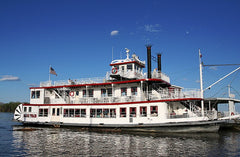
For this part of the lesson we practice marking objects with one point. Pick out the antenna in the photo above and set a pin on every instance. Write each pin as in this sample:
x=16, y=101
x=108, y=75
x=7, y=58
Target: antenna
x=127, y=51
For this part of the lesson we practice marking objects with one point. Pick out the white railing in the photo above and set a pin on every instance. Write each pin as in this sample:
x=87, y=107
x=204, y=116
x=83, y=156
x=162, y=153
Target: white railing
x=175, y=94
x=73, y=82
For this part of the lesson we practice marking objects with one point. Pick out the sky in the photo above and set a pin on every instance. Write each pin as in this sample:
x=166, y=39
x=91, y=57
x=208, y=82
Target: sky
x=79, y=39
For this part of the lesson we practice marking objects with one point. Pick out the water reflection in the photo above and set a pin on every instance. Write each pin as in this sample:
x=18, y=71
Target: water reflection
x=65, y=142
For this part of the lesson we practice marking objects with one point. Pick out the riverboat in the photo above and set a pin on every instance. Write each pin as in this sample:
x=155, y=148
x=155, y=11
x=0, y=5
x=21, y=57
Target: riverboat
x=127, y=99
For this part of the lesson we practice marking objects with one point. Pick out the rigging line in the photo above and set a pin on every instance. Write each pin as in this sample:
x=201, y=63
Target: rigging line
x=235, y=91
x=219, y=65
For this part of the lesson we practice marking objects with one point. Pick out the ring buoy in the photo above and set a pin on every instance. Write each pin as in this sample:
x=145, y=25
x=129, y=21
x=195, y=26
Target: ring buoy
x=71, y=93
x=232, y=114
x=114, y=70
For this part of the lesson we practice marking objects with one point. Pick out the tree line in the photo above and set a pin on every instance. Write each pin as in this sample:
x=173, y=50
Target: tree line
x=9, y=107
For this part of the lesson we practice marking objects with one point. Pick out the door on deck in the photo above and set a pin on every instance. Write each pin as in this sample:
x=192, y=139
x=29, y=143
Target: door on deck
x=56, y=114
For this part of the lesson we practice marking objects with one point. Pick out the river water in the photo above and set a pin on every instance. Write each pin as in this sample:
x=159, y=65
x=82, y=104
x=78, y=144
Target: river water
x=48, y=141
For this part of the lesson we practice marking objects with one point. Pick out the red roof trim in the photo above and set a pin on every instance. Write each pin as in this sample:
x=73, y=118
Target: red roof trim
x=122, y=103
x=99, y=84
x=128, y=63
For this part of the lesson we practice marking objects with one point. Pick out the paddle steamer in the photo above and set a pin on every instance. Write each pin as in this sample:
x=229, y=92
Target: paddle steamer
x=126, y=99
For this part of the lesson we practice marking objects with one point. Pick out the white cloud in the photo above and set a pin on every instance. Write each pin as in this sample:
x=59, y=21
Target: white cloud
x=9, y=78
x=213, y=68
x=152, y=28
x=115, y=32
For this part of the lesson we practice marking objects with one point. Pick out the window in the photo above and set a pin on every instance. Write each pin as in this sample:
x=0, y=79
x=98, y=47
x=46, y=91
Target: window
x=143, y=111
x=103, y=92
x=58, y=111
x=38, y=94
x=35, y=94
x=122, y=68
x=83, y=112
x=134, y=90
x=124, y=91
x=40, y=113
x=106, y=113
x=77, y=93
x=90, y=93
x=154, y=110
x=99, y=113
x=84, y=93
x=71, y=112
x=53, y=111
x=93, y=113
x=122, y=112
x=43, y=112
x=109, y=91
x=66, y=112
x=25, y=109
x=132, y=111
x=129, y=67
x=113, y=113
x=77, y=112
x=30, y=109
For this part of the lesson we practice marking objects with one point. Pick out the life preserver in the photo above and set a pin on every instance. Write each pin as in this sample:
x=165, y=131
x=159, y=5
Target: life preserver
x=71, y=93
x=114, y=70
x=232, y=114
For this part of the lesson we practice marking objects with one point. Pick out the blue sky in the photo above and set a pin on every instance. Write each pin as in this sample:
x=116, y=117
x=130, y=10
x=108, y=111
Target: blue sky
x=74, y=36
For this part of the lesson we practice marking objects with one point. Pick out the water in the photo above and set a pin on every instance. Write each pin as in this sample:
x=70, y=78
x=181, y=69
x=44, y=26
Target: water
x=47, y=141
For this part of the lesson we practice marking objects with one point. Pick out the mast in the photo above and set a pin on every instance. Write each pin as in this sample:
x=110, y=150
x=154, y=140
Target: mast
x=201, y=82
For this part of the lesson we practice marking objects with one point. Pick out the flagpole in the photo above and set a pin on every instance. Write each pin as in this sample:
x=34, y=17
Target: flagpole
x=201, y=82
x=49, y=75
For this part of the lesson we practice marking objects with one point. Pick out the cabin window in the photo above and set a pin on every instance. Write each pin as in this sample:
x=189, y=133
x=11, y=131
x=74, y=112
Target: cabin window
x=90, y=93
x=71, y=112
x=106, y=113
x=143, y=111
x=154, y=111
x=84, y=92
x=109, y=91
x=122, y=68
x=35, y=94
x=66, y=112
x=99, y=113
x=132, y=111
x=123, y=112
x=129, y=67
x=25, y=109
x=93, y=113
x=103, y=92
x=134, y=90
x=30, y=109
x=43, y=113
x=83, y=112
x=58, y=111
x=124, y=91
x=53, y=111
x=77, y=93
x=77, y=112
x=113, y=113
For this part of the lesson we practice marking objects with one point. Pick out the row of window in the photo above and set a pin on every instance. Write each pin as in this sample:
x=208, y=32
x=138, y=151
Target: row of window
x=100, y=113
x=106, y=92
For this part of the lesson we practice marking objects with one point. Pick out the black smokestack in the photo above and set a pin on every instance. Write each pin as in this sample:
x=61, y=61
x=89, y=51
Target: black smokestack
x=149, y=56
x=159, y=62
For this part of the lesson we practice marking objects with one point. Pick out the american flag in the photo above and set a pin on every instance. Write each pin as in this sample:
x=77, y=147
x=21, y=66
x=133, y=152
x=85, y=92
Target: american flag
x=52, y=71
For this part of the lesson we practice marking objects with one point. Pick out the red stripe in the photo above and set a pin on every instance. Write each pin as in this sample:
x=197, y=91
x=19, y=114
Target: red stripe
x=121, y=103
